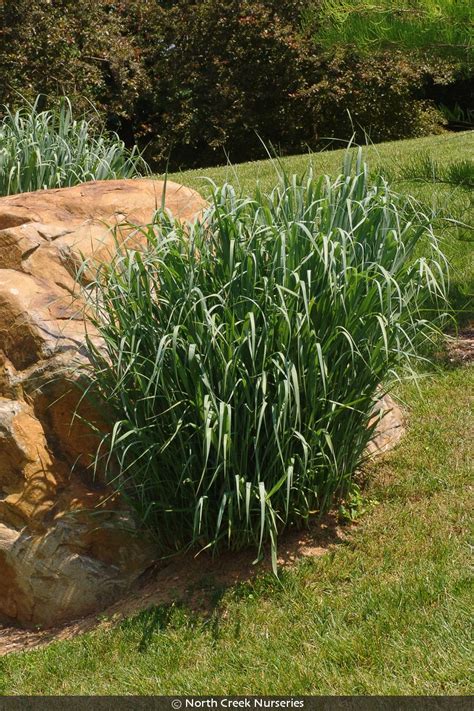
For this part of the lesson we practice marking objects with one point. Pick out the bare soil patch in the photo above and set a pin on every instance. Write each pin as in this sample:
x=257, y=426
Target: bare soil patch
x=461, y=347
x=190, y=579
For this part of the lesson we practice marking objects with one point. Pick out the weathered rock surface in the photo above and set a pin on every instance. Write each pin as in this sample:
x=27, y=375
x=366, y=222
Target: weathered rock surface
x=390, y=428
x=67, y=546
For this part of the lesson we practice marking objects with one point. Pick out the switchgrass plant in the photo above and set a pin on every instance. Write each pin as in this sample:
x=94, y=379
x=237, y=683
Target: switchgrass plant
x=52, y=149
x=242, y=355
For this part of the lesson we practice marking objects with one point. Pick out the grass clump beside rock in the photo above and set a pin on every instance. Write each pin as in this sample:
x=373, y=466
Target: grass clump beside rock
x=242, y=355
x=51, y=149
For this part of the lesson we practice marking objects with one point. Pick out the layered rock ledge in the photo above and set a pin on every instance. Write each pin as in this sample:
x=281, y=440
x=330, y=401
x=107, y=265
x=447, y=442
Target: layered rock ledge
x=67, y=546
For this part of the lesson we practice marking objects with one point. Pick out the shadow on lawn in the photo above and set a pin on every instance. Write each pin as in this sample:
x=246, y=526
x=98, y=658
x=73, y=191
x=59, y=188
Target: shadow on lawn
x=196, y=583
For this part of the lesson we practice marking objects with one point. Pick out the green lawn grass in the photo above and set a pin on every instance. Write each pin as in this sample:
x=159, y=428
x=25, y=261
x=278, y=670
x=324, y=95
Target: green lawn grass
x=437, y=26
x=391, y=155
x=385, y=612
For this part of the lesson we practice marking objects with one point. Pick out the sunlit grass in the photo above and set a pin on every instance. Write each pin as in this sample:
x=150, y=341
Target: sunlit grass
x=442, y=27
x=426, y=168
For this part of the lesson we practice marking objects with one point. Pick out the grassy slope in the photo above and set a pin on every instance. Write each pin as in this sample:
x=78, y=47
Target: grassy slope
x=385, y=613
x=445, y=147
x=439, y=25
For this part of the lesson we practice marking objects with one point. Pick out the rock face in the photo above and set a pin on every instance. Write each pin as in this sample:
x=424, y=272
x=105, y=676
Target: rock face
x=390, y=428
x=67, y=545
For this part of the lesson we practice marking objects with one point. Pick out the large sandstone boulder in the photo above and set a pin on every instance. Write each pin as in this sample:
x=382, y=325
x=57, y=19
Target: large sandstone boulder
x=67, y=545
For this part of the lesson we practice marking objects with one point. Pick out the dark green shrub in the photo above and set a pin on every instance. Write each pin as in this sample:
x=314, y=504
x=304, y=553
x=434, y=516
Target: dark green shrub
x=75, y=48
x=228, y=69
x=378, y=97
x=194, y=81
x=233, y=69
x=242, y=355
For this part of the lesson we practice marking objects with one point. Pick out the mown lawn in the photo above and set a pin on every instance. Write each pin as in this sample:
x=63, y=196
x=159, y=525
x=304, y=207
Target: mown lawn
x=388, y=610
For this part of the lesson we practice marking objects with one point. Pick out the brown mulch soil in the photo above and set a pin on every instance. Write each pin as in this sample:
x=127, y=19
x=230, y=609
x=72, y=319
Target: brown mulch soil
x=190, y=579
x=460, y=348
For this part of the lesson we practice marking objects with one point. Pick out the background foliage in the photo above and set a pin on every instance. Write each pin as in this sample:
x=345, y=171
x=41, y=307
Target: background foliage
x=192, y=81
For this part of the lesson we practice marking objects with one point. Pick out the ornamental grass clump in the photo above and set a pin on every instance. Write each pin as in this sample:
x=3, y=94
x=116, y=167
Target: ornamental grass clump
x=51, y=149
x=242, y=355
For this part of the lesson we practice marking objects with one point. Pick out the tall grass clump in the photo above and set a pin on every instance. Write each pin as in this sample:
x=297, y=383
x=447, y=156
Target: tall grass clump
x=242, y=355
x=52, y=149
